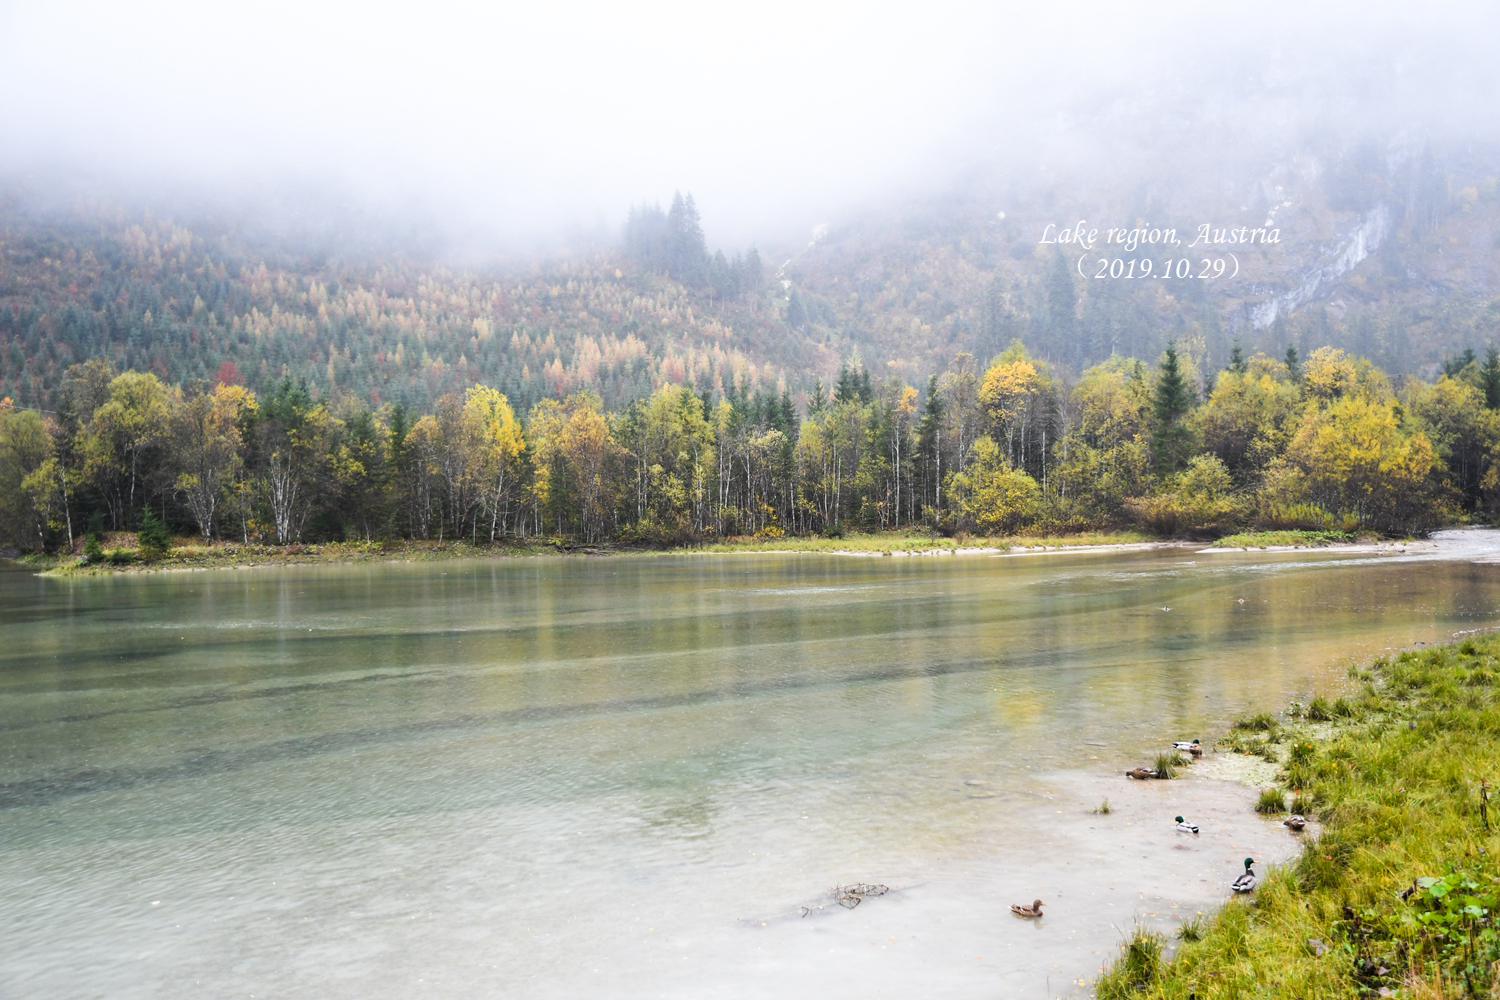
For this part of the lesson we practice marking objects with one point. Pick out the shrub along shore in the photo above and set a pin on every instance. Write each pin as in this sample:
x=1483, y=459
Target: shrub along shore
x=1397, y=894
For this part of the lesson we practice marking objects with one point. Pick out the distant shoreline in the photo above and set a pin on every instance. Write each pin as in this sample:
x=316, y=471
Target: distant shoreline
x=122, y=557
x=124, y=560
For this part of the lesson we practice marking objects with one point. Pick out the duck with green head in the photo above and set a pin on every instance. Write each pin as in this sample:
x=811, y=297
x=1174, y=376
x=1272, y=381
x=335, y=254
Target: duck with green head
x=1246, y=882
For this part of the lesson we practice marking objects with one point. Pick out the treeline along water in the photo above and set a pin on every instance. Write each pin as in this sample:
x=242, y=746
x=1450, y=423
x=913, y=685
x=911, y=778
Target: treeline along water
x=1325, y=442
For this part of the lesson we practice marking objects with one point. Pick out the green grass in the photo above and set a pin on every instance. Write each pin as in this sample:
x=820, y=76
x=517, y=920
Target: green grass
x=1294, y=539
x=1271, y=801
x=1395, y=781
x=189, y=554
x=919, y=541
x=1167, y=764
x=1262, y=722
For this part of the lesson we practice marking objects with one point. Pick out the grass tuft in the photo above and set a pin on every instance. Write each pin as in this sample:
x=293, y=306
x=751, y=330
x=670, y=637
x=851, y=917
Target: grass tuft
x=1167, y=764
x=1138, y=968
x=1318, y=710
x=1193, y=930
x=1272, y=800
x=1262, y=722
x=1102, y=809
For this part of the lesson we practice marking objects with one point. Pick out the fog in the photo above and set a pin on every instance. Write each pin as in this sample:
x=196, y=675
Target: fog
x=514, y=125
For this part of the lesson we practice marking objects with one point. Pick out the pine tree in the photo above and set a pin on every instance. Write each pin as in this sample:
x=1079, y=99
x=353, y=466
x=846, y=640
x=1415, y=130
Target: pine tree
x=1171, y=440
x=930, y=445
x=1062, y=304
x=687, y=253
x=1293, y=365
x=846, y=389
x=1453, y=367
x=1489, y=377
x=752, y=278
x=796, y=315
x=1237, y=360
x=152, y=539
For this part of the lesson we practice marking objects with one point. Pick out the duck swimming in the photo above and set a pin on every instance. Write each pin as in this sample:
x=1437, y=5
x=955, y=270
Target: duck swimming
x=1140, y=773
x=1246, y=882
x=1034, y=910
x=1195, y=748
x=1185, y=826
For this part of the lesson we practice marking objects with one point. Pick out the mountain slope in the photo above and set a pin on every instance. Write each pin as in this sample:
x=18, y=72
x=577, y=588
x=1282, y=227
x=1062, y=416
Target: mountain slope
x=1391, y=251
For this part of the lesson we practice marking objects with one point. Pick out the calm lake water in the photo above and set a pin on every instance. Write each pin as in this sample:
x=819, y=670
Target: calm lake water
x=640, y=777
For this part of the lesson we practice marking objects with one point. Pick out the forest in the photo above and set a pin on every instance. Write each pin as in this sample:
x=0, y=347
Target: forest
x=904, y=289
x=1329, y=442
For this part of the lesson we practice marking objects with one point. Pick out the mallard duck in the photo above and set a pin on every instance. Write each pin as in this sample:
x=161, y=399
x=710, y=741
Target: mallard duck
x=1140, y=773
x=1294, y=823
x=1034, y=910
x=1246, y=882
x=1185, y=826
x=1195, y=748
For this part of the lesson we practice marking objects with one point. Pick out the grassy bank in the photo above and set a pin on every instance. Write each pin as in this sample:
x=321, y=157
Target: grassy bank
x=227, y=555
x=1398, y=894
x=880, y=543
x=1287, y=539
x=122, y=555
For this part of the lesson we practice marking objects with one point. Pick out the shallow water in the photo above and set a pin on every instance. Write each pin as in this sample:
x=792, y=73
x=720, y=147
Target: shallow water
x=639, y=777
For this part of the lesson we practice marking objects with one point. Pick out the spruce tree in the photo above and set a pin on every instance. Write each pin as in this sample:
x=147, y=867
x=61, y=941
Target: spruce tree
x=796, y=315
x=1062, y=304
x=929, y=443
x=152, y=539
x=1489, y=377
x=1293, y=365
x=752, y=271
x=1174, y=397
x=846, y=390
x=1237, y=360
x=687, y=253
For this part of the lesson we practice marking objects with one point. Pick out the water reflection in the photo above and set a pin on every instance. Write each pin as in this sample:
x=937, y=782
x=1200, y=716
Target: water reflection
x=499, y=777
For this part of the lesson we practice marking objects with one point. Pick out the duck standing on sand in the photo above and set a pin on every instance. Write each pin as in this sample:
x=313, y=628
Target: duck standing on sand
x=1294, y=823
x=1246, y=882
x=1034, y=910
x=1186, y=827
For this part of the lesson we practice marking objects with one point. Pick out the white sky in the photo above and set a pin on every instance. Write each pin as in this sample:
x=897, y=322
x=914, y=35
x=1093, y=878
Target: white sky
x=524, y=118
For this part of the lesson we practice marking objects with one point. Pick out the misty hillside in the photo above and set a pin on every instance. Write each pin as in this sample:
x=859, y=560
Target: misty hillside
x=1390, y=250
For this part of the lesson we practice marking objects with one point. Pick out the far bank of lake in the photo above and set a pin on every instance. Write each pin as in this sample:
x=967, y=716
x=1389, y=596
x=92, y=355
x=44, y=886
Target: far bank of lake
x=121, y=554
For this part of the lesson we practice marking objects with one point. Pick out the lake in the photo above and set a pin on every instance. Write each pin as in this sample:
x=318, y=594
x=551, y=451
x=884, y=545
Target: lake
x=641, y=776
